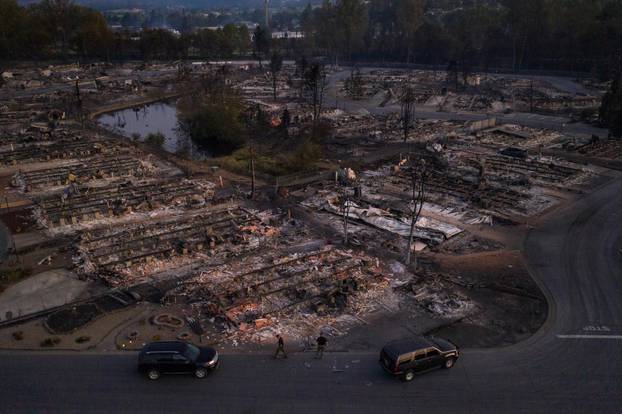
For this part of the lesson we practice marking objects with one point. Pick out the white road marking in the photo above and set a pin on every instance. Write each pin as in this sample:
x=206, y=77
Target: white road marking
x=589, y=336
x=593, y=328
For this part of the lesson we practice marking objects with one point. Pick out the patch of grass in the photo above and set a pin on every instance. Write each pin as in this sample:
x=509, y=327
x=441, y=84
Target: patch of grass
x=12, y=276
x=302, y=158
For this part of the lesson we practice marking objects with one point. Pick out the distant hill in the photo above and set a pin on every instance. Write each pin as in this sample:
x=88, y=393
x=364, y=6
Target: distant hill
x=192, y=4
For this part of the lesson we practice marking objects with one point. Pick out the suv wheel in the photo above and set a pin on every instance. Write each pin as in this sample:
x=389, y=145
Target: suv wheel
x=153, y=374
x=449, y=362
x=409, y=375
x=200, y=373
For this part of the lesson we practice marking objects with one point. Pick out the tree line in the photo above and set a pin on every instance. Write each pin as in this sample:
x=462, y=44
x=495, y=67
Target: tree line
x=62, y=29
x=517, y=34
x=572, y=35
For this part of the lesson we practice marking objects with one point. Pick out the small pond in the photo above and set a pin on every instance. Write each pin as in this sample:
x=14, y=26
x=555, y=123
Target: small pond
x=150, y=119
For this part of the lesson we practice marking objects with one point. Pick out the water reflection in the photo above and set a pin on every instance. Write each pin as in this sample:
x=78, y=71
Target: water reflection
x=150, y=119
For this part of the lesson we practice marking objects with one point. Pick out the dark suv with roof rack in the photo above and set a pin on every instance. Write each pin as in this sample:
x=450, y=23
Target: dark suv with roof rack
x=176, y=357
x=406, y=357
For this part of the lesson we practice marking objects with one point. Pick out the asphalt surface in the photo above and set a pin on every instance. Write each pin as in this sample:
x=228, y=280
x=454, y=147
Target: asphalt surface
x=572, y=365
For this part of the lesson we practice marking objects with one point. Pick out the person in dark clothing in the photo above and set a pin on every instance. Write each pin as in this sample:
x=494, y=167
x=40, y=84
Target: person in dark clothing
x=321, y=345
x=280, y=349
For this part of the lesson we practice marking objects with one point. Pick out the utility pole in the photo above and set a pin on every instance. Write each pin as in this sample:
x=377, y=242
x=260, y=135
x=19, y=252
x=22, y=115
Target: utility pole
x=267, y=13
x=407, y=114
x=79, y=103
x=531, y=96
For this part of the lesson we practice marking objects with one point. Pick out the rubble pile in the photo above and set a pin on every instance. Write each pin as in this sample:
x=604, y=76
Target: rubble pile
x=519, y=137
x=117, y=199
x=60, y=149
x=133, y=251
x=610, y=149
x=97, y=167
x=251, y=295
x=482, y=93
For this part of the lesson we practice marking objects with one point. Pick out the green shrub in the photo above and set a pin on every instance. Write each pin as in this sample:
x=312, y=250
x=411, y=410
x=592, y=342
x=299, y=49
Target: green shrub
x=215, y=123
x=50, y=342
x=155, y=140
x=12, y=276
x=82, y=339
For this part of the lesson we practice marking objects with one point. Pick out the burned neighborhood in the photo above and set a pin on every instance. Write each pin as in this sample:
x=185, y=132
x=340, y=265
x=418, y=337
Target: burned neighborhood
x=247, y=257
x=309, y=199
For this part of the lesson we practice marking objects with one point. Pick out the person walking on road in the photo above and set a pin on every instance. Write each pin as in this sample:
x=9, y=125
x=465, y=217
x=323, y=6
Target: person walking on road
x=280, y=349
x=321, y=344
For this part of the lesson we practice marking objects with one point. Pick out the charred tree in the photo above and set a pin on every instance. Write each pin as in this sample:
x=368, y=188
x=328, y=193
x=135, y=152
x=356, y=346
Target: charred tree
x=276, y=64
x=407, y=113
x=315, y=83
x=418, y=181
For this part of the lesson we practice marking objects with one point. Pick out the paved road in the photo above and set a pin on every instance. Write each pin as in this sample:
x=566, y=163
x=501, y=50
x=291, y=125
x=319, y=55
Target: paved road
x=572, y=365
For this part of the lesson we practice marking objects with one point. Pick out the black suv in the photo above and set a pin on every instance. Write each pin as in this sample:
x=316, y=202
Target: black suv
x=176, y=357
x=405, y=357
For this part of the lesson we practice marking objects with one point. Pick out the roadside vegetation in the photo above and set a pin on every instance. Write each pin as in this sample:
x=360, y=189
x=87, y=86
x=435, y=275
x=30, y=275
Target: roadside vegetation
x=12, y=276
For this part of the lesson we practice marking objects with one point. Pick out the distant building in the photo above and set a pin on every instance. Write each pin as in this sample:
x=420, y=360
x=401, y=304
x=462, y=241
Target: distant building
x=288, y=35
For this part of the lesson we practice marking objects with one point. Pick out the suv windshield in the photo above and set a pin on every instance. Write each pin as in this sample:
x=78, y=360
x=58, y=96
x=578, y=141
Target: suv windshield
x=442, y=344
x=192, y=352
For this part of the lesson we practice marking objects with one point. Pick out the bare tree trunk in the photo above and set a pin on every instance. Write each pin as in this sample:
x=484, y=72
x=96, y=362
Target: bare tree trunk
x=413, y=222
x=407, y=110
x=346, y=211
x=252, y=151
x=410, y=241
x=418, y=198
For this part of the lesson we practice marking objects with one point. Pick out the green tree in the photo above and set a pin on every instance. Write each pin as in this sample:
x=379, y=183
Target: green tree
x=261, y=43
x=159, y=44
x=326, y=29
x=215, y=123
x=315, y=83
x=408, y=20
x=92, y=37
x=12, y=25
x=276, y=64
x=60, y=19
x=352, y=21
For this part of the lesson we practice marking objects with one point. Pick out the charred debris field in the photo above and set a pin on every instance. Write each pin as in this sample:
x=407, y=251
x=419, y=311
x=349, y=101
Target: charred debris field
x=305, y=226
